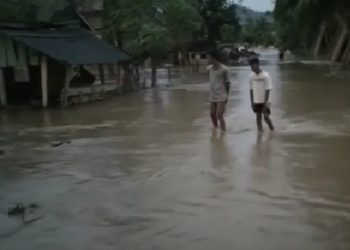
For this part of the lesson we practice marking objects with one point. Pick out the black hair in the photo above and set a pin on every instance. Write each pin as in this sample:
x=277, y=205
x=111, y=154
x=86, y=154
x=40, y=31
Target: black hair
x=254, y=61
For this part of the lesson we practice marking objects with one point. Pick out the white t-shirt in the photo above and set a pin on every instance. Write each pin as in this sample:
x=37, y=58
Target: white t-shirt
x=218, y=78
x=259, y=83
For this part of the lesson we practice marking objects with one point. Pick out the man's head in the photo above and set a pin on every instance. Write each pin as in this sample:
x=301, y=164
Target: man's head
x=255, y=65
x=215, y=57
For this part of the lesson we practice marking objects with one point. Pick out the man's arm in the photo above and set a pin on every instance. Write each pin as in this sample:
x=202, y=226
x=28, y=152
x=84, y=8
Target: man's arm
x=208, y=68
x=268, y=88
x=227, y=83
x=251, y=92
x=251, y=97
x=267, y=97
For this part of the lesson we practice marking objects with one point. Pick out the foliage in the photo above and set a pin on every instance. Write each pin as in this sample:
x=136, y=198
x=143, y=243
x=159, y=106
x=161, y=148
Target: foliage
x=300, y=20
x=151, y=41
x=245, y=13
x=31, y=10
x=259, y=32
x=216, y=15
x=13, y=11
x=150, y=27
x=230, y=33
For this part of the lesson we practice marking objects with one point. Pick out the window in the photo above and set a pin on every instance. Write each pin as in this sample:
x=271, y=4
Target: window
x=203, y=56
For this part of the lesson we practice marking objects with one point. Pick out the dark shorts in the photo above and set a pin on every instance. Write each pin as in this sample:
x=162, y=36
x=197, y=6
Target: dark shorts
x=259, y=109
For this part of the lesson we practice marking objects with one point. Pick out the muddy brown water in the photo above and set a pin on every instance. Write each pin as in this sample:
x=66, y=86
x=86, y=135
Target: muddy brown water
x=144, y=171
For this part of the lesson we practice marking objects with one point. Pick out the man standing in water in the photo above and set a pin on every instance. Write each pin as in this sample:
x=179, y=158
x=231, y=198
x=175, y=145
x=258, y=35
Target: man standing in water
x=219, y=89
x=260, y=94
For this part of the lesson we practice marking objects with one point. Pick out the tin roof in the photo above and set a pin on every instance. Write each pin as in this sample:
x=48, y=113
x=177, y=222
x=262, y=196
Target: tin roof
x=70, y=45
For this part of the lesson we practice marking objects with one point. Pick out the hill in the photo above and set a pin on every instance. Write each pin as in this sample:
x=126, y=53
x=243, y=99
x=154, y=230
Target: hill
x=244, y=14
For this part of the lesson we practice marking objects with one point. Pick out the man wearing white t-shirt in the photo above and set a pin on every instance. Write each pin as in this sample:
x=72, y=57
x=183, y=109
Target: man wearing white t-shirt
x=260, y=94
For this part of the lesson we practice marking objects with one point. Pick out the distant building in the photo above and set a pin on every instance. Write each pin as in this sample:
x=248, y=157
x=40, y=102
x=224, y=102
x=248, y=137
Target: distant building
x=198, y=53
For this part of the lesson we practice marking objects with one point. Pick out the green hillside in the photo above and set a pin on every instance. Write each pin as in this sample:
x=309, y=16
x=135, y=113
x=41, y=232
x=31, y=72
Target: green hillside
x=244, y=14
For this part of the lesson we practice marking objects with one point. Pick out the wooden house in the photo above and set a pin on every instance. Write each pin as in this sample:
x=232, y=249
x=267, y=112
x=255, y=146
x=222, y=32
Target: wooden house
x=42, y=62
x=198, y=55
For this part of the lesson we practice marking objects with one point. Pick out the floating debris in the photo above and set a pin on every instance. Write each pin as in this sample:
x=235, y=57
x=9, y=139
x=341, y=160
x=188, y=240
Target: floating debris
x=18, y=209
x=57, y=144
x=34, y=220
x=33, y=206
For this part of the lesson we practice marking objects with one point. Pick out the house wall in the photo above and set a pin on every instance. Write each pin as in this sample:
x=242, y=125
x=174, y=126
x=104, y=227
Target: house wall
x=22, y=73
x=56, y=78
x=21, y=92
x=198, y=58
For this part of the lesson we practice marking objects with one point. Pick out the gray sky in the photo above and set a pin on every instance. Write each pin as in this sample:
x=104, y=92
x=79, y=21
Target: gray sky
x=260, y=5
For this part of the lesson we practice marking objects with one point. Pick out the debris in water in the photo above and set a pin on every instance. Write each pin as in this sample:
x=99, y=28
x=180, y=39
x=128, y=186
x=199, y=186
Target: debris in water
x=57, y=144
x=34, y=220
x=33, y=206
x=19, y=209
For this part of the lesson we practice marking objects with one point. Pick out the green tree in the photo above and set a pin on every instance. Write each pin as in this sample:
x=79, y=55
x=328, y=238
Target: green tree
x=34, y=10
x=151, y=28
x=230, y=33
x=216, y=15
x=302, y=23
x=259, y=32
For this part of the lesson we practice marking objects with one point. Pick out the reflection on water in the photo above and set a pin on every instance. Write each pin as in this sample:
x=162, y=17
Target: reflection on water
x=144, y=171
x=262, y=153
x=219, y=152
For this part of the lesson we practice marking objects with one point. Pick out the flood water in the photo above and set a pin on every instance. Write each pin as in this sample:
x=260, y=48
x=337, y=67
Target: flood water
x=144, y=171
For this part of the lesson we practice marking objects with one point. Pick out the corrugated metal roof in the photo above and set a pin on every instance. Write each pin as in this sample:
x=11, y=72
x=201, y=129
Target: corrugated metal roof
x=70, y=45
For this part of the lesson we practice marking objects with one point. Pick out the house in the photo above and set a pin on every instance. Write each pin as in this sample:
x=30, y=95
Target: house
x=92, y=13
x=42, y=61
x=198, y=55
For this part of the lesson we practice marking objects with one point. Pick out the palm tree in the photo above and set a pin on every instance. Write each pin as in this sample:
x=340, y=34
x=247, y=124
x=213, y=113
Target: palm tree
x=311, y=20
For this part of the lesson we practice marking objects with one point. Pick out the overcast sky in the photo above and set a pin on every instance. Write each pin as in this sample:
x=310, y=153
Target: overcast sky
x=260, y=5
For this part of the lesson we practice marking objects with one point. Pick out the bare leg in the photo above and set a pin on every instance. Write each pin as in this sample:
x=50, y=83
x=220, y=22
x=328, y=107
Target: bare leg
x=220, y=115
x=214, y=119
x=269, y=122
x=259, y=122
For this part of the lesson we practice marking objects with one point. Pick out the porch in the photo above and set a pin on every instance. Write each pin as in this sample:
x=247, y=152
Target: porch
x=66, y=65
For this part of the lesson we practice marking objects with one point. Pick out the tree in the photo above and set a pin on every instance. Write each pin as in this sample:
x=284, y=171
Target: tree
x=13, y=11
x=34, y=10
x=151, y=28
x=216, y=14
x=260, y=32
x=230, y=33
x=304, y=24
